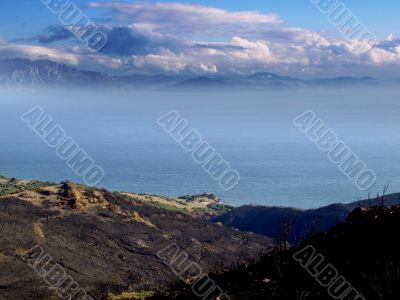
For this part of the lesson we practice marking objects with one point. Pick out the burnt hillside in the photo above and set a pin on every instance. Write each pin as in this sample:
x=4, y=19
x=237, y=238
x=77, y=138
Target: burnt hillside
x=364, y=249
x=107, y=242
x=266, y=220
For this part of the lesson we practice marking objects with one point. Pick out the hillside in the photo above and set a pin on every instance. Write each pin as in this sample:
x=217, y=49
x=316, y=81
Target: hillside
x=364, y=249
x=110, y=244
x=267, y=220
x=107, y=241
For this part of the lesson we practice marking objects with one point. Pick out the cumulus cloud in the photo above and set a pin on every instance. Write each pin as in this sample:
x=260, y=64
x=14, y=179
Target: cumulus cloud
x=124, y=41
x=138, y=40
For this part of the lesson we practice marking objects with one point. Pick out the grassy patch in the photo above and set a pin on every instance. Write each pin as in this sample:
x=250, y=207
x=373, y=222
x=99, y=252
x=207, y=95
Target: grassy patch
x=165, y=206
x=13, y=186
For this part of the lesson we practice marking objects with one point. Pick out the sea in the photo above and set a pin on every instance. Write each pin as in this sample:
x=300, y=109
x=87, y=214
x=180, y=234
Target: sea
x=252, y=131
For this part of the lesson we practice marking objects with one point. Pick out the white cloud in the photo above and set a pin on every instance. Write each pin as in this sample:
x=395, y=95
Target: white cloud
x=180, y=18
x=37, y=52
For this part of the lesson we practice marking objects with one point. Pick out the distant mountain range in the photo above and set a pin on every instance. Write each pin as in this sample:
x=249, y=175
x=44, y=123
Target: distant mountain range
x=37, y=73
x=44, y=72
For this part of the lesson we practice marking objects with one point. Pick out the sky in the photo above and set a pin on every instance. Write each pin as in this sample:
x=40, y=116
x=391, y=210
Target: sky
x=288, y=37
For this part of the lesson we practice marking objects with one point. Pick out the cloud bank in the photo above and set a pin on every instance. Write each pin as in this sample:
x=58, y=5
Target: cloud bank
x=186, y=38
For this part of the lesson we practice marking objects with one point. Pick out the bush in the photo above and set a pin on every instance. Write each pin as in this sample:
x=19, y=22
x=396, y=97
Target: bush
x=14, y=187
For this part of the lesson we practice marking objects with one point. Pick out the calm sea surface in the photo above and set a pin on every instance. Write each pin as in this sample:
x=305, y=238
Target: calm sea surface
x=278, y=164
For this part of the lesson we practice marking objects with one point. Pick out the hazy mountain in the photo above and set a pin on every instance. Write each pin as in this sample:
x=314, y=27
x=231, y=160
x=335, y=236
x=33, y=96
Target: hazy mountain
x=24, y=72
x=43, y=72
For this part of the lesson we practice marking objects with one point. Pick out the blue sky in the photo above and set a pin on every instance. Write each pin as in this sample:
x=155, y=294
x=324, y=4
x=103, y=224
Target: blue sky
x=23, y=23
